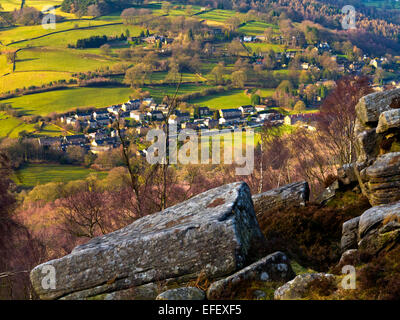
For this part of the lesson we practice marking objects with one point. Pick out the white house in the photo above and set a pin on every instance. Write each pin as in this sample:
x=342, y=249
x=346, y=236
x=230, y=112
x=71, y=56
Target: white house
x=114, y=109
x=137, y=115
x=247, y=109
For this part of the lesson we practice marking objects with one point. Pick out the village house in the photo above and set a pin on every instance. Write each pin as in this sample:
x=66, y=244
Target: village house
x=83, y=116
x=184, y=116
x=211, y=123
x=98, y=135
x=70, y=120
x=246, y=110
x=179, y=117
x=115, y=134
x=248, y=38
x=131, y=105
x=124, y=114
x=127, y=107
x=163, y=108
x=155, y=115
x=305, y=118
x=103, y=145
x=260, y=107
x=92, y=124
x=136, y=115
x=99, y=113
x=105, y=141
x=153, y=106
x=103, y=120
x=174, y=119
x=79, y=139
x=229, y=116
x=114, y=109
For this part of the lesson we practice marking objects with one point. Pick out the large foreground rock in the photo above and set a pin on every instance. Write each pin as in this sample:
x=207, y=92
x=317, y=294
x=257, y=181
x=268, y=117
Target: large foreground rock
x=215, y=233
x=274, y=267
x=291, y=195
x=372, y=105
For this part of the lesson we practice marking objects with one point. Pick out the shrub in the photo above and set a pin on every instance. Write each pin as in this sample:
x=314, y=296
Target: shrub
x=311, y=234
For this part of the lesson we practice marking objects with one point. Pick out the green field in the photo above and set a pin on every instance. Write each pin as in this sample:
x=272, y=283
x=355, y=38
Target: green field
x=264, y=93
x=66, y=60
x=254, y=28
x=224, y=100
x=158, y=77
x=19, y=33
x=4, y=66
x=176, y=9
x=217, y=15
x=10, y=5
x=159, y=92
x=19, y=80
x=263, y=47
x=62, y=39
x=33, y=175
x=68, y=99
x=11, y=127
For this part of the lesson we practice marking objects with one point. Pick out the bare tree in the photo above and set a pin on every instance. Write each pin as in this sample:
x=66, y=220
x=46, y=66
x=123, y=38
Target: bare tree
x=19, y=251
x=336, y=122
x=172, y=103
x=85, y=213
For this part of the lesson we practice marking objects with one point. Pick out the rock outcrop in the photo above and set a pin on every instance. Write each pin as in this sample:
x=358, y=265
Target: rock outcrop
x=215, y=233
x=299, y=286
x=185, y=293
x=375, y=230
x=377, y=171
x=370, y=107
x=382, y=179
x=379, y=228
x=388, y=120
x=291, y=195
x=274, y=267
x=378, y=145
x=350, y=234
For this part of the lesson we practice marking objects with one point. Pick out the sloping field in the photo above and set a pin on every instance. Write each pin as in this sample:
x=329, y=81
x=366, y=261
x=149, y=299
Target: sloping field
x=33, y=175
x=68, y=99
x=62, y=39
x=20, y=80
x=65, y=60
